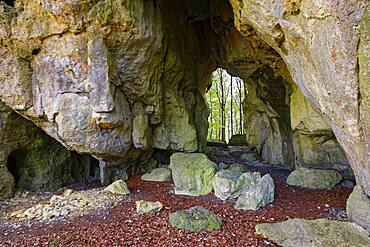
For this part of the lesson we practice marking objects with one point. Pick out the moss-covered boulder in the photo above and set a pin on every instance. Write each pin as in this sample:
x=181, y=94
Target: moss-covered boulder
x=158, y=175
x=231, y=183
x=118, y=187
x=358, y=208
x=192, y=173
x=257, y=195
x=238, y=167
x=195, y=219
x=313, y=233
x=238, y=140
x=248, y=158
x=143, y=207
x=225, y=183
x=314, y=178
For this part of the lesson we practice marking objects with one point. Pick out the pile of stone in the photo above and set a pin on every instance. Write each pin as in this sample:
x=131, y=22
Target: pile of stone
x=72, y=202
x=194, y=174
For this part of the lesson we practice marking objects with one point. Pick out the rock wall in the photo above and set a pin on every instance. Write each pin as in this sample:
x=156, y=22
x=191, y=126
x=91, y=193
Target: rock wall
x=318, y=41
x=120, y=78
x=32, y=160
x=315, y=145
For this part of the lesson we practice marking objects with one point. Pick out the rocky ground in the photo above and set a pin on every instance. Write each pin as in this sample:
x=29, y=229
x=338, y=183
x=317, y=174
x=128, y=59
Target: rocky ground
x=108, y=220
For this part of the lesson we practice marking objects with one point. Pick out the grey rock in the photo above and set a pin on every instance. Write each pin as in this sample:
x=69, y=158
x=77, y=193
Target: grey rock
x=249, y=157
x=118, y=187
x=358, y=208
x=158, y=175
x=257, y=196
x=192, y=173
x=313, y=233
x=143, y=207
x=195, y=219
x=314, y=178
x=225, y=183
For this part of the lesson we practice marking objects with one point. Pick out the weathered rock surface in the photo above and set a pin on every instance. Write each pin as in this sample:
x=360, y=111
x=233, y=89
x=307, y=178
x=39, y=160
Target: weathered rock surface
x=195, y=219
x=192, y=173
x=116, y=79
x=314, y=178
x=118, y=187
x=314, y=143
x=158, y=175
x=32, y=160
x=257, y=195
x=321, y=232
x=225, y=184
x=248, y=158
x=143, y=207
x=299, y=32
x=358, y=208
x=238, y=140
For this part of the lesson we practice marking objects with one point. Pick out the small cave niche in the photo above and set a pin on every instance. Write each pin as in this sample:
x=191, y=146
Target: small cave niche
x=9, y=2
x=94, y=169
x=14, y=164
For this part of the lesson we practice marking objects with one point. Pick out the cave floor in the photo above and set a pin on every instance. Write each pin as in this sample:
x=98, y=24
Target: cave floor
x=120, y=225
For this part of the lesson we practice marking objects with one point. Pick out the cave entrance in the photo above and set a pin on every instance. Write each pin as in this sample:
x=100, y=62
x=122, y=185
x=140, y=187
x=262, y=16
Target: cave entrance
x=225, y=99
x=9, y=2
x=15, y=166
x=94, y=169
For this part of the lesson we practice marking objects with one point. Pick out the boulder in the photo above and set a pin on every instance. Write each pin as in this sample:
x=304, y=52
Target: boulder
x=192, y=173
x=257, y=196
x=314, y=178
x=143, y=207
x=358, y=208
x=248, y=158
x=238, y=167
x=118, y=187
x=158, y=175
x=238, y=140
x=216, y=143
x=195, y=219
x=230, y=183
x=248, y=180
x=225, y=184
x=313, y=233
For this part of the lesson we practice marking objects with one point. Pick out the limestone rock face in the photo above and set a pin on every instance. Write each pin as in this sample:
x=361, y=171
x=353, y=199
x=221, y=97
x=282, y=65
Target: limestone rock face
x=195, y=219
x=315, y=145
x=266, y=116
x=119, y=78
x=6, y=184
x=192, y=173
x=358, y=208
x=32, y=160
x=314, y=178
x=318, y=42
x=312, y=233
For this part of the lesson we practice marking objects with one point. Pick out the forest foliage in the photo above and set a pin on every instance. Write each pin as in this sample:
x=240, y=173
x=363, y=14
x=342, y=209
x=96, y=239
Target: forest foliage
x=225, y=100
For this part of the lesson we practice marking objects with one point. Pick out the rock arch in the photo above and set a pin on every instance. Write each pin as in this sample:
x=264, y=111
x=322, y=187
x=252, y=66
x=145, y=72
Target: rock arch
x=117, y=79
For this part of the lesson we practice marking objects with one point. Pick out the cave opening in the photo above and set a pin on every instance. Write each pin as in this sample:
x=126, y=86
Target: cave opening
x=12, y=167
x=94, y=169
x=9, y=2
x=225, y=95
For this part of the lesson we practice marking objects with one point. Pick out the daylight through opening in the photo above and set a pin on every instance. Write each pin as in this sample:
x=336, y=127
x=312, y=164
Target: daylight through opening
x=225, y=99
